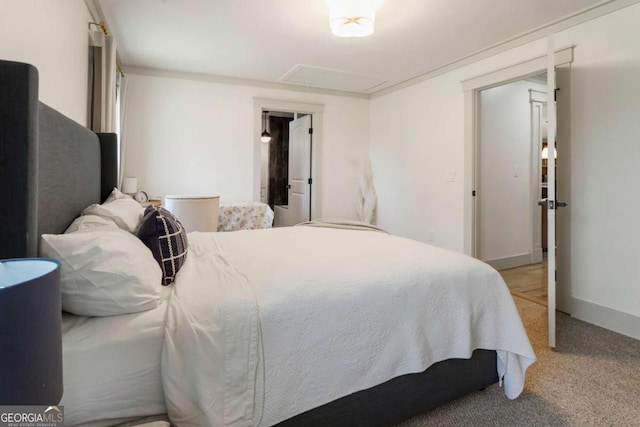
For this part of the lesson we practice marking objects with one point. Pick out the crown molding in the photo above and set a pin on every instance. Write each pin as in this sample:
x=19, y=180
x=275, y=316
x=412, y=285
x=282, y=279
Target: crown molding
x=579, y=17
x=603, y=8
x=182, y=75
x=93, y=6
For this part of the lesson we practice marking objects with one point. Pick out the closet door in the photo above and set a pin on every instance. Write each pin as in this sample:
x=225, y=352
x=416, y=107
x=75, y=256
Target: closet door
x=300, y=170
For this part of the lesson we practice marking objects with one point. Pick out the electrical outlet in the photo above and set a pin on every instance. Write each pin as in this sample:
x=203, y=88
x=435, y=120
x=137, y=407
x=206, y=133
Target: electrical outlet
x=516, y=171
x=430, y=236
x=451, y=176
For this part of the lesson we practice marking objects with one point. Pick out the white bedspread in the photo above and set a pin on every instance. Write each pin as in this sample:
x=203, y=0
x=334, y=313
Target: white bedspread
x=267, y=324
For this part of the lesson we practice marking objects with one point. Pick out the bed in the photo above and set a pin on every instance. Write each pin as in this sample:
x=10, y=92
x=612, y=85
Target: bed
x=52, y=168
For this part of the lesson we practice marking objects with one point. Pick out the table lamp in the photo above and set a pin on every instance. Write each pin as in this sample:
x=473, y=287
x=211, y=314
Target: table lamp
x=130, y=185
x=195, y=213
x=30, y=332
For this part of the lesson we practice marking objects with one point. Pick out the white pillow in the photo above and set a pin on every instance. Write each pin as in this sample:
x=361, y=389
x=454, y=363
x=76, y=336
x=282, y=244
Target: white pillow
x=84, y=222
x=120, y=208
x=105, y=271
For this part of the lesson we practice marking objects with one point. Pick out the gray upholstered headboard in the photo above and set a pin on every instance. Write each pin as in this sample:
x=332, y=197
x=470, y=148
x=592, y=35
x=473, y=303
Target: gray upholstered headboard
x=50, y=166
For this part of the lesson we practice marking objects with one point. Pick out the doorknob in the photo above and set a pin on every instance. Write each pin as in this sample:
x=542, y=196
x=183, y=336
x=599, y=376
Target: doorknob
x=288, y=186
x=546, y=203
x=549, y=204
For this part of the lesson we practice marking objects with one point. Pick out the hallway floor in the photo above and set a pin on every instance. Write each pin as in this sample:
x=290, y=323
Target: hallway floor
x=528, y=282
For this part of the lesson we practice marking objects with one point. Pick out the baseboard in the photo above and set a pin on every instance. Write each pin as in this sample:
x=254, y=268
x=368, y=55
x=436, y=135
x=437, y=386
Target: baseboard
x=608, y=318
x=510, y=262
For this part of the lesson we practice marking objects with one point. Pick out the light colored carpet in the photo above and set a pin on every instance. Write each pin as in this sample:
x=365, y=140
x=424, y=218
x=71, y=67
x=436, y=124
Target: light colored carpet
x=591, y=379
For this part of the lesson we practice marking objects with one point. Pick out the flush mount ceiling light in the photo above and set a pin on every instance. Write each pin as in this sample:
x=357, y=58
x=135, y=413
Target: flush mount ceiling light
x=352, y=18
x=266, y=136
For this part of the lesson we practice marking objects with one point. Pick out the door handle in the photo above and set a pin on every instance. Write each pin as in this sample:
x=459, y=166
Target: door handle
x=288, y=186
x=549, y=204
x=546, y=203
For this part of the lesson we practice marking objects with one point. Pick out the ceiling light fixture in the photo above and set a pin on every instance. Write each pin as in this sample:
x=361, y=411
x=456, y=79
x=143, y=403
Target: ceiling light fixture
x=352, y=18
x=266, y=136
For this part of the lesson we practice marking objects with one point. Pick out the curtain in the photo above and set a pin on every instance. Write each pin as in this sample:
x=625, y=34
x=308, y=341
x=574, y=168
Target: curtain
x=123, y=88
x=109, y=95
x=104, y=86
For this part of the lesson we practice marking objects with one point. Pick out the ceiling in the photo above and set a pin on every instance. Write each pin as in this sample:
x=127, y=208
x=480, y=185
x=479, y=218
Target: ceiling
x=289, y=41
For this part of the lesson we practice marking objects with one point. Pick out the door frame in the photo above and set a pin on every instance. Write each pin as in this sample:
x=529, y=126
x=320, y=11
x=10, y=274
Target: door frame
x=471, y=89
x=316, y=111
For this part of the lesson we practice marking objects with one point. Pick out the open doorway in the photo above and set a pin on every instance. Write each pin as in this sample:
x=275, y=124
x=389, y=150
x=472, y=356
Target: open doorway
x=286, y=183
x=275, y=156
x=511, y=180
x=557, y=64
x=308, y=121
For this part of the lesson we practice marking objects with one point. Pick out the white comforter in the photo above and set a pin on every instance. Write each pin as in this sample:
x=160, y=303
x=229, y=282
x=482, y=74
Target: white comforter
x=267, y=324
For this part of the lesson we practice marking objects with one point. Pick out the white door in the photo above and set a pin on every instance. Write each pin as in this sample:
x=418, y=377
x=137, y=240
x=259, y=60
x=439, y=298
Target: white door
x=551, y=202
x=299, y=170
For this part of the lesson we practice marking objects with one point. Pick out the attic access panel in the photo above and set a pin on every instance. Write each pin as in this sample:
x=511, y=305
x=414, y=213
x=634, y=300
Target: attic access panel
x=327, y=78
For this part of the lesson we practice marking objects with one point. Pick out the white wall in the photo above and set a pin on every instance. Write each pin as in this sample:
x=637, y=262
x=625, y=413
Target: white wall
x=504, y=187
x=417, y=152
x=53, y=36
x=197, y=137
x=417, y=139
x=605, y=155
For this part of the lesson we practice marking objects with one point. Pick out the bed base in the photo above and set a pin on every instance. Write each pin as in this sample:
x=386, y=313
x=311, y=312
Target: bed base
x=406, y=396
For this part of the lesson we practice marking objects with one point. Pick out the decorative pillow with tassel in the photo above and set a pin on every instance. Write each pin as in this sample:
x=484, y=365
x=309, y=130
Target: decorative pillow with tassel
x=161, y=232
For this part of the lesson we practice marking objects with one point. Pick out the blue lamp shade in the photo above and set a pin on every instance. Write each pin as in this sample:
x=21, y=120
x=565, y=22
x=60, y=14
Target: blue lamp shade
x=30, y=332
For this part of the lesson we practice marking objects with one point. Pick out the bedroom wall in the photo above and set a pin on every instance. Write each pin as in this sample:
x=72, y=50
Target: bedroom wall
x=505, y=210
x=54, y=37
x=197, y=137
x=417, y=152
x=417, y=147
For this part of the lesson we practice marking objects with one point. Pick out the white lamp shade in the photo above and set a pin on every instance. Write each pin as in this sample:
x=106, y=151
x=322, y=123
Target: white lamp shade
x=195, y=213
x=130, y=185
x=352, y=18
